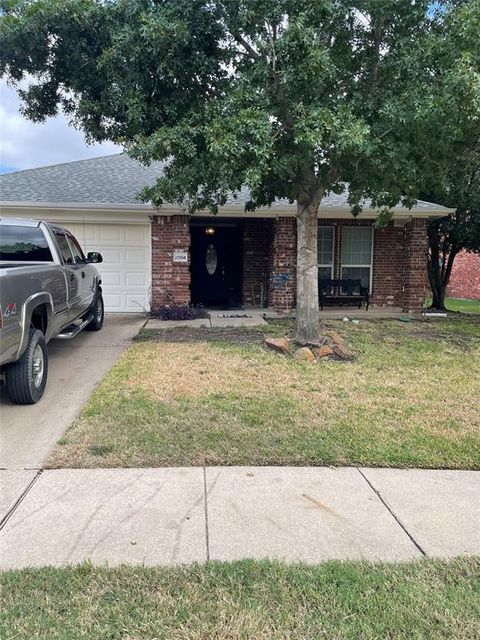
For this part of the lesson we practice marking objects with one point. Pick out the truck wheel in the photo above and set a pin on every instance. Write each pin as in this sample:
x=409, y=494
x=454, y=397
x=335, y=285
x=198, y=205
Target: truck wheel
x=98, y=314
x=26, y=378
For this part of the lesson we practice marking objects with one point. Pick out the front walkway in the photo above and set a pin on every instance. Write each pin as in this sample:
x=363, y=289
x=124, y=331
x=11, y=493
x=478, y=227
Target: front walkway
x=180, y=515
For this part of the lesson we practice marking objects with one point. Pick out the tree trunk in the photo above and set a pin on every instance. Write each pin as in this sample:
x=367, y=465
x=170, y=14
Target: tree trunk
x=307, y=327
x=435, y=268
x=438, y=297
x=439, y=267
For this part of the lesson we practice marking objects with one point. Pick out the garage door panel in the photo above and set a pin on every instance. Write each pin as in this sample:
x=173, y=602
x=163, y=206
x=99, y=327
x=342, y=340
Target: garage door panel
x=136, y=279
x=111, y=257
x=111, y=278
x=138, y=235
x=135, y=256
x=111, y=234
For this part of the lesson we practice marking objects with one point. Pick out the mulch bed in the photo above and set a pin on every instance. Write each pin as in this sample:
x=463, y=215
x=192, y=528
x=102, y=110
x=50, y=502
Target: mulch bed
x=242, y=336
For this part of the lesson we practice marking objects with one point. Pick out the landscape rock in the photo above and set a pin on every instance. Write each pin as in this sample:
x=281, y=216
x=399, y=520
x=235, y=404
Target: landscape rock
x=341, y=352
x=339, y=347
x=278, y=344
x=324, y=352
x=337, y=339
x=304, y=354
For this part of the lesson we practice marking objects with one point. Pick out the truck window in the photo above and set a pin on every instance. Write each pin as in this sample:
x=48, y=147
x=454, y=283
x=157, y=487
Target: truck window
x=23, y=244
x=75, y=248
x=64, y=248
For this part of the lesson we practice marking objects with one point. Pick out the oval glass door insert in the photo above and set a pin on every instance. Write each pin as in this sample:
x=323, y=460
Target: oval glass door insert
x=211, y=259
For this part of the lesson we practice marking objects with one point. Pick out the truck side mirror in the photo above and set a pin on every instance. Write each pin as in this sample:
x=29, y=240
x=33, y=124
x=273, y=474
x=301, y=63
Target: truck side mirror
x=94, y=256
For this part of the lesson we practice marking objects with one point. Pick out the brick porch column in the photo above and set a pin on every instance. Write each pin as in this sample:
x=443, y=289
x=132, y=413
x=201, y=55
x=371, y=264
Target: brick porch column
x=170, y=280
x=283, y=273
x=415, y=278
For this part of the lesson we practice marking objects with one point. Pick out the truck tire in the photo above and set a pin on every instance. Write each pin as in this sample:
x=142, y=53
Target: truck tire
x=98, y=314
x=26, y=378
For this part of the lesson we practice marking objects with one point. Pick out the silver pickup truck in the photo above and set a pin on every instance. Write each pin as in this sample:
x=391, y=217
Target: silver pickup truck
x=48, y=288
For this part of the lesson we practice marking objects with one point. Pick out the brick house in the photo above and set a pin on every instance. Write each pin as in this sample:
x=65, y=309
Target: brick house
x=465, y=277
x=235, y=259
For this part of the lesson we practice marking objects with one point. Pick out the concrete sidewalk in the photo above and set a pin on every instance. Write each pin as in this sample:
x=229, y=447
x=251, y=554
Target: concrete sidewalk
x=179, y=515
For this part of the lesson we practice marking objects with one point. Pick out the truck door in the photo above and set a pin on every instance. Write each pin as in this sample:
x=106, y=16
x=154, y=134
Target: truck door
x=87, y=272
x=73, y=276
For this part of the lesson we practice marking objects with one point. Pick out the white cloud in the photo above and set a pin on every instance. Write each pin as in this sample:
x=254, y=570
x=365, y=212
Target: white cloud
x=24, y=144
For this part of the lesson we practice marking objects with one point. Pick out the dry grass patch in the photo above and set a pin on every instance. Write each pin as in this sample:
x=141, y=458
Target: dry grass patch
x=408, y=399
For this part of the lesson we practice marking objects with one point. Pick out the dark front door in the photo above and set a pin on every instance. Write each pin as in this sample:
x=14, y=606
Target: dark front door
x=216, y=264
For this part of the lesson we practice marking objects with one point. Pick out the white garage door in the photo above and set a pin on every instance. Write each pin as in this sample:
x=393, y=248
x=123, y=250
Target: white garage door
x=126, y=262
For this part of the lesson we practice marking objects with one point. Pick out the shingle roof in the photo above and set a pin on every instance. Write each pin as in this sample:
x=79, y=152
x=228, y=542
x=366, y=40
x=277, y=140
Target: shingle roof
x=117, y=180
x=108, y=179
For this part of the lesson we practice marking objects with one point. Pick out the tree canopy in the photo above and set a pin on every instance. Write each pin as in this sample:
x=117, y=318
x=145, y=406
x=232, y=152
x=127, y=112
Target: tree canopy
x=291, y=98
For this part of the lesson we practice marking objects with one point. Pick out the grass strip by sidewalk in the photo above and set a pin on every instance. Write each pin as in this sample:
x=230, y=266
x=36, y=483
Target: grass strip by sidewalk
x=245, y=600
x=206, y=397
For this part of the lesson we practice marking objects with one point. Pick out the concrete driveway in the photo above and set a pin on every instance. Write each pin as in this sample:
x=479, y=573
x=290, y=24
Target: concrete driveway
x=29, y=433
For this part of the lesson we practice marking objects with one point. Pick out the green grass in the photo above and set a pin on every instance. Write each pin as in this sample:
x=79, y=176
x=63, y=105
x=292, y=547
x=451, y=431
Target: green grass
x=245, y=600
x=409, y=399
x=462, y=306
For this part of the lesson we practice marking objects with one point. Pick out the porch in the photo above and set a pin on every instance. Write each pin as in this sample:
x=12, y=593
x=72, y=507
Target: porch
x=244, y=262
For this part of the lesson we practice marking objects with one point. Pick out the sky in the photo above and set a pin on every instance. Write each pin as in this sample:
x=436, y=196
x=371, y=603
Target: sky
x=24, y=144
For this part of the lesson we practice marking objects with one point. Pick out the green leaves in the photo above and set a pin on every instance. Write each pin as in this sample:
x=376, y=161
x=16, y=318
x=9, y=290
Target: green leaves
x=264, y=93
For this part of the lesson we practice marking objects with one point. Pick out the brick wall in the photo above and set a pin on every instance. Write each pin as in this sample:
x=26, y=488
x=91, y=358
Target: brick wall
x=388, y=266
x=465, y=278
x=283, y=265
x=415, y=279
x=257, y=240
x=170, y=280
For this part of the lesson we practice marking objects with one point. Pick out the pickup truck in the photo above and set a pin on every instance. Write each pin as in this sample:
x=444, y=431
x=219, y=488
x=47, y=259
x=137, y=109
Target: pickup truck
x=48, y=288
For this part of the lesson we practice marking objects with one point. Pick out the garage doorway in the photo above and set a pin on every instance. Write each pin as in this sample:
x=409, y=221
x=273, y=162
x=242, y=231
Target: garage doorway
x=126, y=266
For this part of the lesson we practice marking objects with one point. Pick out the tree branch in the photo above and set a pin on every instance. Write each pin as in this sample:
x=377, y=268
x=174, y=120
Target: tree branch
x=377, y=39
x=247, y=46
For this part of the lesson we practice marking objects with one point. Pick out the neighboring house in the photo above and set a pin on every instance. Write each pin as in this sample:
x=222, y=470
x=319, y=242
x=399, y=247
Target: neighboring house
x=465, y=277
x=164, y=257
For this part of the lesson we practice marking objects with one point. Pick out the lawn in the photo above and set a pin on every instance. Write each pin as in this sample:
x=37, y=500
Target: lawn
x=206, y=397
x=457, y=304
x=262, y=600
x=464, y=306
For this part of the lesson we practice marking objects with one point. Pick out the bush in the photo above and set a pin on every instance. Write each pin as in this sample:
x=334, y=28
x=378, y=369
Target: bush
x=179, y=312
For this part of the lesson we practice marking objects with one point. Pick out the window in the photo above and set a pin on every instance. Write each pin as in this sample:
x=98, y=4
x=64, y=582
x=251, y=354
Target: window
x=24, y=244
x=64, y=248
x=325, y=252
x=357, y=245
x=75, y=248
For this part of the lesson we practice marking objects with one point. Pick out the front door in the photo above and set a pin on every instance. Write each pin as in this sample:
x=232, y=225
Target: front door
x=216, y=263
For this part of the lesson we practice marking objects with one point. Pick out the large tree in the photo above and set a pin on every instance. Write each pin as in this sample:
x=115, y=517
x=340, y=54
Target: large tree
x=291, y=98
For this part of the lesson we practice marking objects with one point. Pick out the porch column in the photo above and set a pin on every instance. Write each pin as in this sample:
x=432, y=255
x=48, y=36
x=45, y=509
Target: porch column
x=283, y=273
x=415, y=278
x=170, y=260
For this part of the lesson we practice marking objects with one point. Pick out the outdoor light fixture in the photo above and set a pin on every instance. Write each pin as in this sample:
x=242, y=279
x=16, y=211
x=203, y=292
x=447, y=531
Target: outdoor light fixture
x=210, y=231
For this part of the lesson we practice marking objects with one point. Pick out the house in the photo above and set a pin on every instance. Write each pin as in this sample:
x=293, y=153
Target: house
x=165, y=257
x=465, y=277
